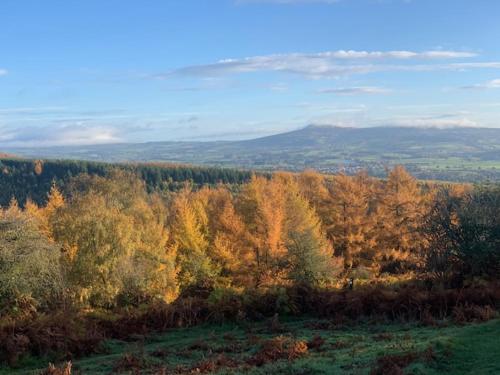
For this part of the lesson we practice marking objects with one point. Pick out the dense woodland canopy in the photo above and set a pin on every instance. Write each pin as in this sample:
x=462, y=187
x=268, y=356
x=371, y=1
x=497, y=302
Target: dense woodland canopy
x=23, y=179
x=105, y=239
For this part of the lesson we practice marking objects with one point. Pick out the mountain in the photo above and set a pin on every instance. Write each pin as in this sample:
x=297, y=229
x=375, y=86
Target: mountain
x=461, y=154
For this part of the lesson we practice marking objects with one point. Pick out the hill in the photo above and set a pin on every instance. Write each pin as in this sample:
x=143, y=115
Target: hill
x=459, y=154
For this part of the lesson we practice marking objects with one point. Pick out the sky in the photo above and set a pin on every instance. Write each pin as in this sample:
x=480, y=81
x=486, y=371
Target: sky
x=76, y=72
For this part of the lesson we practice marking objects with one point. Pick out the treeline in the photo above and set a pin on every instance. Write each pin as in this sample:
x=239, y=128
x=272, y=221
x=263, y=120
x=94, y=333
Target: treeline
x=32, y=179
x=106, y=241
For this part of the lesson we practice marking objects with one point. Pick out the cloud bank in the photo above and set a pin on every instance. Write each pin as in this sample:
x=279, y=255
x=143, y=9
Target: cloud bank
x=63, y=135
x=334, y=64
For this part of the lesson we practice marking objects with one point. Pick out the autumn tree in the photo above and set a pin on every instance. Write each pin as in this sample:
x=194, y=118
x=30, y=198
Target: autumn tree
x=115, y=242
x=402, y=207
x=43, y=216
x=287, y=236
x=230, y=241
x=313, y=186
x=262, y=206
x=309, y=257
x=38, y=168
x=189, y=223
x=349, y=222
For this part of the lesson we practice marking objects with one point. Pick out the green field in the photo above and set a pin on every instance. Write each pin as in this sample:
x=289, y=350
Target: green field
x=332, y=349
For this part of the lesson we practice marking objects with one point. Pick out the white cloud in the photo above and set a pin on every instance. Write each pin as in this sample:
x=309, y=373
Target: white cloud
x=438, y=54
x=63, y=135
x=493, y=84
x=355, y=90
x=3, y=72
x=87, y=135
x=334, y=64
x=443, y=122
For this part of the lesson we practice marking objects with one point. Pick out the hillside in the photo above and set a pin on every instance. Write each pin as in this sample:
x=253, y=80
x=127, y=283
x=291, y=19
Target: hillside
x=461, y=154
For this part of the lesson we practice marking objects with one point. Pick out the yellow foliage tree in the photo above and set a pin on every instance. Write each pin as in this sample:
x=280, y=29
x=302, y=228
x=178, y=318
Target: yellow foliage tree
x=189, y=237
x=262, y=206
x=115, y=242
x=309, y=257
x=349, y=221
x=401, y=211
x=229, y=240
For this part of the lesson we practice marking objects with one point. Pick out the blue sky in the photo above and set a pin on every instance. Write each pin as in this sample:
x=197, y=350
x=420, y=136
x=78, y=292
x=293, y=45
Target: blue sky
x=100, y=71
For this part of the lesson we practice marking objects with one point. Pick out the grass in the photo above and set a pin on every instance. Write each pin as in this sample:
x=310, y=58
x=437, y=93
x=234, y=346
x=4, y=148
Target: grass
x=229, y=348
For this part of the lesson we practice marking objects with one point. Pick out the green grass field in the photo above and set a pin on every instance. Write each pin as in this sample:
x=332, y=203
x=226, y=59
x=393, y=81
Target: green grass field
x=233, y=349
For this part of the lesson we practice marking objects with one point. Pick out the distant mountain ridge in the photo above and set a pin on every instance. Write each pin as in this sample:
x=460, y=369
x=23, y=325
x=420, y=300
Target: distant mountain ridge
x=445, y=153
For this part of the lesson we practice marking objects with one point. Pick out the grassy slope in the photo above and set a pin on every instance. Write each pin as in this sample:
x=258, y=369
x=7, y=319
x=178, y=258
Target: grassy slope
x=471, y=349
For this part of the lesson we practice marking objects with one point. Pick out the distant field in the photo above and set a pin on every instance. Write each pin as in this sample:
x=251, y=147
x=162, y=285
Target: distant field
x=454, y=154
x=361, y=349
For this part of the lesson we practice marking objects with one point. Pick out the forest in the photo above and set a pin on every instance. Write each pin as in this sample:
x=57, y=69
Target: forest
x=103, y=253
x=23, y=178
